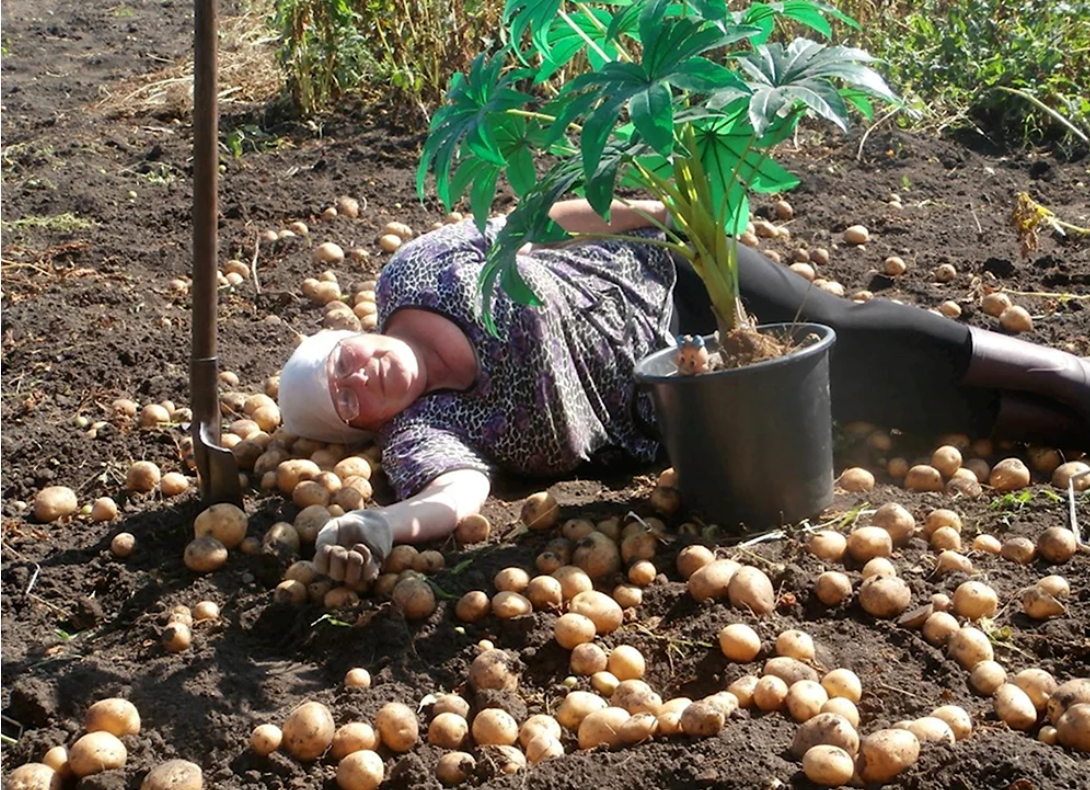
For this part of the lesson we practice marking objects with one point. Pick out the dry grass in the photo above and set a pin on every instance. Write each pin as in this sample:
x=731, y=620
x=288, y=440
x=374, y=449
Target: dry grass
x=248, y=73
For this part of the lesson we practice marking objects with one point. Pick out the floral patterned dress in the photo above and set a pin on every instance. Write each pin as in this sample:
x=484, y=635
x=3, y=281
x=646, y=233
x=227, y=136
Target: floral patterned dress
x=556, y=387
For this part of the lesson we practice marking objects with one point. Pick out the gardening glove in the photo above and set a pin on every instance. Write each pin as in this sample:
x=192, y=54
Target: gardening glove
x=352, y=547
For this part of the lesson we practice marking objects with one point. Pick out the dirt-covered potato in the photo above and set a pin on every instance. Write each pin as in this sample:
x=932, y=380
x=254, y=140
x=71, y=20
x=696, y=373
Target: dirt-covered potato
x=833, y=588
x=1073, y=728
x=454, y=768
x=602, y=728
x=896, y=520
x=885, y=596
x=397, y=726
x=750, y=588
x=540, y=511
x=969, y=646
x=576, y=706
x=308, y=731
x=360, y=770
x=224, y=522
x=828, y=766
x=494, y=727
x=957, y=718
x=598, y=555
x=573, y=629
x=712, y=580
x=1072, y=692
x=636, y=696
x=205, y=555
x=174, y=775
x=931, y=728
x=266, y=739
x=34, y=776
x=601, y=609
x=494, y=669
x=416, y=599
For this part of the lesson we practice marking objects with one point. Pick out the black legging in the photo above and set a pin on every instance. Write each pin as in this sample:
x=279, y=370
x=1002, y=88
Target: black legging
x=893, y=365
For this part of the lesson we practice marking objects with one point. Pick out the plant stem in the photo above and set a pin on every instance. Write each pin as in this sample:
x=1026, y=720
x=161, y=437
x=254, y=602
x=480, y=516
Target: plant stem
x=1065, y=122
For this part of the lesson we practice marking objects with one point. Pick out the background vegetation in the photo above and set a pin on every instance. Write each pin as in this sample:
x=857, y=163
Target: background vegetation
x=955, y=61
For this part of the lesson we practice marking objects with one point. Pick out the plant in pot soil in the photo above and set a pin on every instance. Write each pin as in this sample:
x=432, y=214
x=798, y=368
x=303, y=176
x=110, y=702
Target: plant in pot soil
x=683, y=100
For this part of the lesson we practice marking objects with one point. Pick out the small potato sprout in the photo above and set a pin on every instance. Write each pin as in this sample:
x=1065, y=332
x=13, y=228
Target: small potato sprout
x=828, y=766
x=886, y=753
x=360, y=770
x=96, y=752
x=833, y=588
x=265, y=739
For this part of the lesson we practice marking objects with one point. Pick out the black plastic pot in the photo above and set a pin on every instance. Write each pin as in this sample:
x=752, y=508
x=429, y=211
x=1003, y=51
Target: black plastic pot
x=752, y=446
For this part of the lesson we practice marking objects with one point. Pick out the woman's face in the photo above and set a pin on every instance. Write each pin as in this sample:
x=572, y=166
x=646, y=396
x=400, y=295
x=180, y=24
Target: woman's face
x=373, y=378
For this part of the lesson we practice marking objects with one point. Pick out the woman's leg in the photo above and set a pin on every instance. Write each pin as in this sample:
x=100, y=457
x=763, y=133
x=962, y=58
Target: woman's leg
x=893, y=365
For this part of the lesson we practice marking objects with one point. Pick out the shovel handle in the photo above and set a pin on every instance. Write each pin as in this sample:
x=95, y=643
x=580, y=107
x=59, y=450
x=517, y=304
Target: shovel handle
x=205, y=179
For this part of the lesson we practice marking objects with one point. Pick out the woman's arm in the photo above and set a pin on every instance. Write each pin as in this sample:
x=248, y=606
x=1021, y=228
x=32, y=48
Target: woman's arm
x=576, y=216
x=438, y=508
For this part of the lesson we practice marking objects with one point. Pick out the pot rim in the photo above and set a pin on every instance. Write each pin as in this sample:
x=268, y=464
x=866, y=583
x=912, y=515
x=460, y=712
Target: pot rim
x=827, y=335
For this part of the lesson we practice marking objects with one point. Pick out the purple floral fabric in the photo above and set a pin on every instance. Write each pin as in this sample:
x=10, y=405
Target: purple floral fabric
x=556, y=386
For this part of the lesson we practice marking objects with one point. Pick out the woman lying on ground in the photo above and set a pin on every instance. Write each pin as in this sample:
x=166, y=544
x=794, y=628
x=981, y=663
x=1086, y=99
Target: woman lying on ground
x=450, y=404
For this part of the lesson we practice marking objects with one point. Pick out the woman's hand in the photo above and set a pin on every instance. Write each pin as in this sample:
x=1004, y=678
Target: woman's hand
x=352, y=547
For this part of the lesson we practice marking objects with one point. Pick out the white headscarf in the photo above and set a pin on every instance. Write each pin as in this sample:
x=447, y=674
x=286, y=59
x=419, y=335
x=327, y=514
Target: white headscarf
x=306, y=405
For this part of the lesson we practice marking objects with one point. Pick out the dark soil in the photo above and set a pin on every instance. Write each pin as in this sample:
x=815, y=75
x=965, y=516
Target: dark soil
x=89, y=316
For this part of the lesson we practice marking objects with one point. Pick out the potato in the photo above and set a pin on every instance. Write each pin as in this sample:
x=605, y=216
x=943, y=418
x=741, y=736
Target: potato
x=642, y=573
x=544, y=747
x=828, y=766
x=205, y=555
x=1018, y=549
x=750, y=588
x=886, y=753
x=1014, y=707
x=576, y=706
x=494, y=669
x=995, y=303
x=416, y=599
x=177, y=637
x=626, y=663
x=604, y=682
x=597, y=555
x=843, y=683
x=636, y=696
x=397, y=726
x=945, y=273
x=540, y=511
x=742, y=689
x=573, y=629
x=739, y=643
x=856, y=234
x=804, y=699
x=712, y=580
x=896, y=520
x=724, y=700
x=96, y=752
x=115, y=715
x=1038, y=684
x=1065, y=474
x=986, y=677
x=266, y=739
x=538, y=724
x=143, y=477
x=941, y=517
x=1010, y=474
x=638, y=729
x=103, y=509
x=57, y=759
x=1048, y=735
x=769, y=693
x=894, y=266
x=572, y=580
x=879, y=566
x=545, y=593
x=930, y=728
x=790, y=670
x=975, y=600
x=825, y=729
x=833, y=588
x=34, y=776
x=1040, y=605
x=939, y=627
x=508, y=605
x=989, y=544
x=1073, y=692
x=627, y=596
x=795, y=644
x=454, y=768
x=924, y=477
x=224, y=522
x=886, y=596
x=308, y=731
x=856, y=479
x=495, y=727
x=1016, y=319
x=866, y=543
x=702, y=720
x=945, y=539
x=473, y=607
x=602, y=728
x=603, y=611
x=842, y=707
x=174, y=775
x=450, y=703
x=360, y=770
x=828, y=545
x=946, y=459
x=1073, y=728
x=969, y=646
x=952, y=562
x=1057, y=545
x=956, y=717
x=55, y=502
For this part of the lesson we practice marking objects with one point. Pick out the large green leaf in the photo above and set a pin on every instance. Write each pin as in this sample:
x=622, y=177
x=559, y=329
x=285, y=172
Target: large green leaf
x=475, y=103
x=810, y=13
x=802, y=74
x=570, y=36
x=534, y=15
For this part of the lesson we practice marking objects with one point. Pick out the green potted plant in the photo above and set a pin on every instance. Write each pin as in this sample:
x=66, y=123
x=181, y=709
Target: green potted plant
x=682, y=100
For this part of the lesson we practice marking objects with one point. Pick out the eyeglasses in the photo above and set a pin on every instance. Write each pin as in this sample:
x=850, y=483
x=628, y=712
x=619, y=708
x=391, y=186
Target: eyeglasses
x=340, y=365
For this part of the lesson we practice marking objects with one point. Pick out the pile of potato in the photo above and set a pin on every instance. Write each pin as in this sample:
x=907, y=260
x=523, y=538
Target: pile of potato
x=101, y=749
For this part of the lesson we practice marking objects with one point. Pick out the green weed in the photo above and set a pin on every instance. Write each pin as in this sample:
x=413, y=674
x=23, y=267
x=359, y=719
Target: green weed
x=57, y=223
